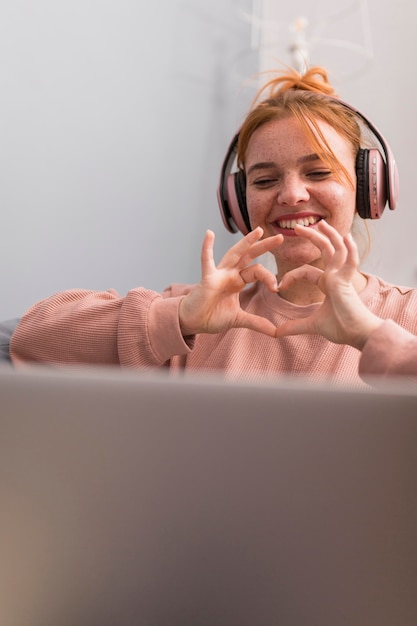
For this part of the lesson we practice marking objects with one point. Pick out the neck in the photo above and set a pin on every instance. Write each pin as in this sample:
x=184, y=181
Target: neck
x=303, y=292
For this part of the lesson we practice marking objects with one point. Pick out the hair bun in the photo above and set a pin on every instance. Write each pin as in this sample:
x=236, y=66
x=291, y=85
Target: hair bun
x=314, y=79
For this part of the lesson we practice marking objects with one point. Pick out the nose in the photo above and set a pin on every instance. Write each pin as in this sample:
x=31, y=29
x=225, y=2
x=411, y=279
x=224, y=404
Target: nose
x=292, y=190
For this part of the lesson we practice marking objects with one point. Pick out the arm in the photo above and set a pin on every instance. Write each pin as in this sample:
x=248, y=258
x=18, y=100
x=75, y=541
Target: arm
x=145, y=328
x=390, y=351
x=387, y=349
x=88, y=327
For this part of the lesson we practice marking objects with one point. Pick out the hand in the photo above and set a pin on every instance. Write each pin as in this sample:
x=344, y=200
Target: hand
x=213, y=305
x=343, y=317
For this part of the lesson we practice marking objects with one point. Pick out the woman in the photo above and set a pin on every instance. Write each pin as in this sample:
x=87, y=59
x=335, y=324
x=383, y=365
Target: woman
x=320, y=317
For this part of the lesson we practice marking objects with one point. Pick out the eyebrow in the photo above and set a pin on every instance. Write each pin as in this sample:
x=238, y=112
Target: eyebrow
x=264, y=165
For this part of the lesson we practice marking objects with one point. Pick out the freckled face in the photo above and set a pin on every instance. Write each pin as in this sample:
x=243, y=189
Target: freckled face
x=287, y=182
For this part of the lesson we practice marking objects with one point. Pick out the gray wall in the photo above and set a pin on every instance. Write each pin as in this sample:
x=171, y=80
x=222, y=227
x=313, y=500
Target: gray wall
x=115, y=115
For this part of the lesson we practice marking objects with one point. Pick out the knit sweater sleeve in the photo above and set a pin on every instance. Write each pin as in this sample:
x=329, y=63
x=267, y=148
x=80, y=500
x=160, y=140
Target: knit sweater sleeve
x=90, y=327
x=389, y=351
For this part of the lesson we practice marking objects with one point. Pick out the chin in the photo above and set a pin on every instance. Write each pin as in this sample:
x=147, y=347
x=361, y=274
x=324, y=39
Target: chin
x=302, y=253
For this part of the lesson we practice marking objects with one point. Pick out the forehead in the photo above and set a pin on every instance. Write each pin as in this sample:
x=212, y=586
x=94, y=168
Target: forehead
x=286, y=138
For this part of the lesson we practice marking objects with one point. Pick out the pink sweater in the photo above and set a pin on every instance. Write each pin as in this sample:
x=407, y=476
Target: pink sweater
x=142, y=330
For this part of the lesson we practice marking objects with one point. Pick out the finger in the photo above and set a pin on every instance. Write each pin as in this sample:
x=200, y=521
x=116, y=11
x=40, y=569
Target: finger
x=333, y=235
x=258, y=272
x=207, y=257
x=329, y=242
x=319, y=240
x=353, y=252
x=337, y=241
x=265, y=245
x=249, y=248
x=346, y=257
x=234, y=255
x=345, y=251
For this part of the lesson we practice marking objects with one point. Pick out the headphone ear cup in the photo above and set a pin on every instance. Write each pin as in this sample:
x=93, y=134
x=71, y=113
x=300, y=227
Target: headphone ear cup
x=371, y=183
x=362, y=201
x=236, y=201
x=240, y=185
x=231, y=193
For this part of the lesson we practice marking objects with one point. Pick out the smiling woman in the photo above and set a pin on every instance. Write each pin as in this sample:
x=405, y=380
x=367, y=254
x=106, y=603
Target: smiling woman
x=298, y=187
x=303, y=177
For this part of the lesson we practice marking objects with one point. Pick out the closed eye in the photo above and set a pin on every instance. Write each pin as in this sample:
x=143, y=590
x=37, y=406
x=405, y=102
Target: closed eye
x=319, y=174
x=264, y=182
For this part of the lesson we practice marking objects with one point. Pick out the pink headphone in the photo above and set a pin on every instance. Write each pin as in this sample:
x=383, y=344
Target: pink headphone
x=377, y=182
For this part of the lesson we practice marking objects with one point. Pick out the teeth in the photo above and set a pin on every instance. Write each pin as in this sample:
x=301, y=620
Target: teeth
x=302, y=221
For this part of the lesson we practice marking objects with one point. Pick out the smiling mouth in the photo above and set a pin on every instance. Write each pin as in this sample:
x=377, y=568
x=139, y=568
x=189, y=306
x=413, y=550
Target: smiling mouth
x=301, y=221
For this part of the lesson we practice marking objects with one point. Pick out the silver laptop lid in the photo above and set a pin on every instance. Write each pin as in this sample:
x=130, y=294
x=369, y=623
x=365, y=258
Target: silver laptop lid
x=141, y=499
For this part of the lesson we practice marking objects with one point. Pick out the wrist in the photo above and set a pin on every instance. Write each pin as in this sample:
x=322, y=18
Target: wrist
x=367, y=329
x=183, y=318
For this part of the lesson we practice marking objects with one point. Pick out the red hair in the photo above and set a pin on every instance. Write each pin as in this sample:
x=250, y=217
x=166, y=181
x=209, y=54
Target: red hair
x=309, y=98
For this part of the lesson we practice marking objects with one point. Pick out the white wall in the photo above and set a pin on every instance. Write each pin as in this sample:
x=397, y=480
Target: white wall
x=115, y=115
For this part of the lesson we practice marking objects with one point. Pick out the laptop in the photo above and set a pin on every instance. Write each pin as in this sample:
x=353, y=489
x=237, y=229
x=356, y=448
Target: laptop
x=143, y=499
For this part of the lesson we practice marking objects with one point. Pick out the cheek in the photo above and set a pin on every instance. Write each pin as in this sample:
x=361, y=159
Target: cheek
x=256, y=207
x=341, y=204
